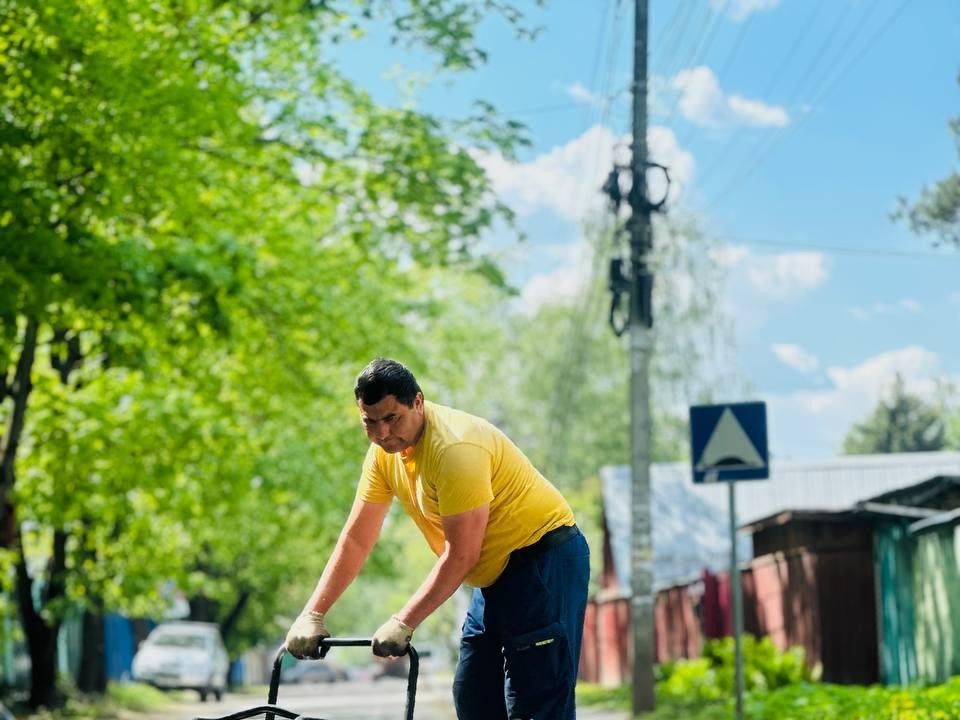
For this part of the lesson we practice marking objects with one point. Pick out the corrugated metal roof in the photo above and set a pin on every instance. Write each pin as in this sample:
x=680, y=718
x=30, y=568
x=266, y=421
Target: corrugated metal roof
x=831, y=484
x=945, y=518
x=690, y=521
x=791, y=516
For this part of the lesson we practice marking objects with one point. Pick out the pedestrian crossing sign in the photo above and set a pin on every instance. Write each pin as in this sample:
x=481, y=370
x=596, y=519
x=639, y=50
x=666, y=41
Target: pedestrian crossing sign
x=729, y=442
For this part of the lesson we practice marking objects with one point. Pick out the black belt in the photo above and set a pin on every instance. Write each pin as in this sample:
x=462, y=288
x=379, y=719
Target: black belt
x=551, y=539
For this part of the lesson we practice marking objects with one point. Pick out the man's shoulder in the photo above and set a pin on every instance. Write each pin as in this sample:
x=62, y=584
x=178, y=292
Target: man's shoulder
x=449, y=426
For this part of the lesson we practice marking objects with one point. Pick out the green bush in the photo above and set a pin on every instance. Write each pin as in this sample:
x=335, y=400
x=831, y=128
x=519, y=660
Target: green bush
x=804, y=701
x=693, y=680
x=764, y=666
x=712, y=676
x=850, y=702
x=603, y=697
x=137, y=696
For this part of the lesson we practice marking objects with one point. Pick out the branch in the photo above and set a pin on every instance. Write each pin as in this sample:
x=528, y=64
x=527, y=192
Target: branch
x=31, y=618
x=56, y=581
x=66, y=363
x=230, y=621
x=20, y=391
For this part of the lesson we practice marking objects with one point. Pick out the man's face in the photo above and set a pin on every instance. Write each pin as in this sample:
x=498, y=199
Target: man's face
x=391, y=424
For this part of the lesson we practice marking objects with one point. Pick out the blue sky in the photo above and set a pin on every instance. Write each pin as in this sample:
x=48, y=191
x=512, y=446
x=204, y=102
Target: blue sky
x=792, y=127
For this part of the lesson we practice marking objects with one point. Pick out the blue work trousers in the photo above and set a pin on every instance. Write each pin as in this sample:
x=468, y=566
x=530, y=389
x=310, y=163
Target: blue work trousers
x=520, y=647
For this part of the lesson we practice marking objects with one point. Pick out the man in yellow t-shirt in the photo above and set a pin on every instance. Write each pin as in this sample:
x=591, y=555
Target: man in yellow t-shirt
x=494, y=522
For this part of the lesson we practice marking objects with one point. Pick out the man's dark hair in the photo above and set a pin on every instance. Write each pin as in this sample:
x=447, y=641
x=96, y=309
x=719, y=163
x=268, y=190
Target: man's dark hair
x=384, y=377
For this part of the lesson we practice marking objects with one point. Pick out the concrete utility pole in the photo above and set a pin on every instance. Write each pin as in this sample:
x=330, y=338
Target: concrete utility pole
x=641, y=346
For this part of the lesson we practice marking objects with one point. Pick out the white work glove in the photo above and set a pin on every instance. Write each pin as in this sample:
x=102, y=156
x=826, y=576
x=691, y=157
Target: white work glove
x=392, y=639
x=304, y=636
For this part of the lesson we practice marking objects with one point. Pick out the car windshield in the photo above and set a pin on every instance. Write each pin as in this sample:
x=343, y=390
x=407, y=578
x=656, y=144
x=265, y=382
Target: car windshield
x=179, y=641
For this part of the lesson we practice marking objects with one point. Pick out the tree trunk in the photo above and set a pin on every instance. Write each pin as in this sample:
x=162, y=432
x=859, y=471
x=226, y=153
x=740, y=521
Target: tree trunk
x=229, y=623
x=19, y=390
x=93, y=665
x=203, y=609
x=41, y=637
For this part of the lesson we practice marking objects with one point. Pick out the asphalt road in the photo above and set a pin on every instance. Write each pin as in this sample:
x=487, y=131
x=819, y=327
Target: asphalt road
x=352, y=700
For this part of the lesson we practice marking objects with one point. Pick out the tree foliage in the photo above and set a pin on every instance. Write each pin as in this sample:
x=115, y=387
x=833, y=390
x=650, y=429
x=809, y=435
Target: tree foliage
x=206, y=229
x=903, y=422
x=937, y=211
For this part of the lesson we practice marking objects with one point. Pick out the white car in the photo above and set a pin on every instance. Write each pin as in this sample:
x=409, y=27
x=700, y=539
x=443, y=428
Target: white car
x=184, y=656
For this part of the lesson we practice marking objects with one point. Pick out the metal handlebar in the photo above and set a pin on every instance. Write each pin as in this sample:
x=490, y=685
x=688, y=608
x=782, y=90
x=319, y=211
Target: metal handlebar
x=271, y=710
x=325, y=645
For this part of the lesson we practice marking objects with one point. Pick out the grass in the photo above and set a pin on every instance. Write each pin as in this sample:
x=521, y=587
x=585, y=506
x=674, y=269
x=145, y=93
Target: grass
x=620, y=698
x=137, y=697
x=617, y=698
x=120, y=701
x=801, y=701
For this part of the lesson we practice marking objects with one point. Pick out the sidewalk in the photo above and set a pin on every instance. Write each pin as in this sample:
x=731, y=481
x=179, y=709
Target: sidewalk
x=591, y=714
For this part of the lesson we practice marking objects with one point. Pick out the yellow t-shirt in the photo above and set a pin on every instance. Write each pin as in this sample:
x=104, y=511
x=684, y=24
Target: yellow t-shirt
x=460, y=463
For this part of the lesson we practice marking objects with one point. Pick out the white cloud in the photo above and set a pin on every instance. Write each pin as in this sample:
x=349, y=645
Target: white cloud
x=755, y=284
x=583, y=95
x=702, y=101
x=566, y=182
x=754, y=112
x=822, y=418
x=874, y=376
x=773, y=277
x=795, y=357
x=563, y=285
x=787, y=274
x=740, y=10
x=567, y=179
x=730, y=256
x=883, y=309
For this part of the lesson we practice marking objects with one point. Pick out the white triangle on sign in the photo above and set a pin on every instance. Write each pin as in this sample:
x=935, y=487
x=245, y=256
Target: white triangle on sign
x=729, y=446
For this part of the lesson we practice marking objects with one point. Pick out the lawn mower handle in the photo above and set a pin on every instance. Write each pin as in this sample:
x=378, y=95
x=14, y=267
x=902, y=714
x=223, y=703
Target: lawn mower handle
x=328, y=643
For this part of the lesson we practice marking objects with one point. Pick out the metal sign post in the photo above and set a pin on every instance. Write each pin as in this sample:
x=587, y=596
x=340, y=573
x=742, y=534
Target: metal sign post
x=729, y=443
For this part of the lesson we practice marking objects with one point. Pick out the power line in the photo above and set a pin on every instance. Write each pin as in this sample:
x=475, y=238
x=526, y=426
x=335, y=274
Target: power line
x=824, y=90
x=797, y=43
x=804, y=82
x=672, y=41
x=594, y=73
x=541, y=109
x=715, y=20
x=574, y=354
x=668, y=29
x=720, y=156
x=684, y=134
x=762, y=145
x=696, y=36
x=842, y=249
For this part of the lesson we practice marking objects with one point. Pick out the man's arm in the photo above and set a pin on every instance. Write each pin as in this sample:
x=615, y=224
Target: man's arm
x=464, y=537
x=356, y=540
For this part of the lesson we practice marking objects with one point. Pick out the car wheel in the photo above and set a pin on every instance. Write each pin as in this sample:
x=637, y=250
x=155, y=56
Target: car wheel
x=218, y=695
x=203, y=694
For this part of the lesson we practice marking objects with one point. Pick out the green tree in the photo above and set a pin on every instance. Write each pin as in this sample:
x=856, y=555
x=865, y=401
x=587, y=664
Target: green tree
x=937, y=211
x=204, y=222
x=903, y=422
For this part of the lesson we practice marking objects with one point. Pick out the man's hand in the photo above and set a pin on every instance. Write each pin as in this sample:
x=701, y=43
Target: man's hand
x=304, y=636
x=392, y=639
